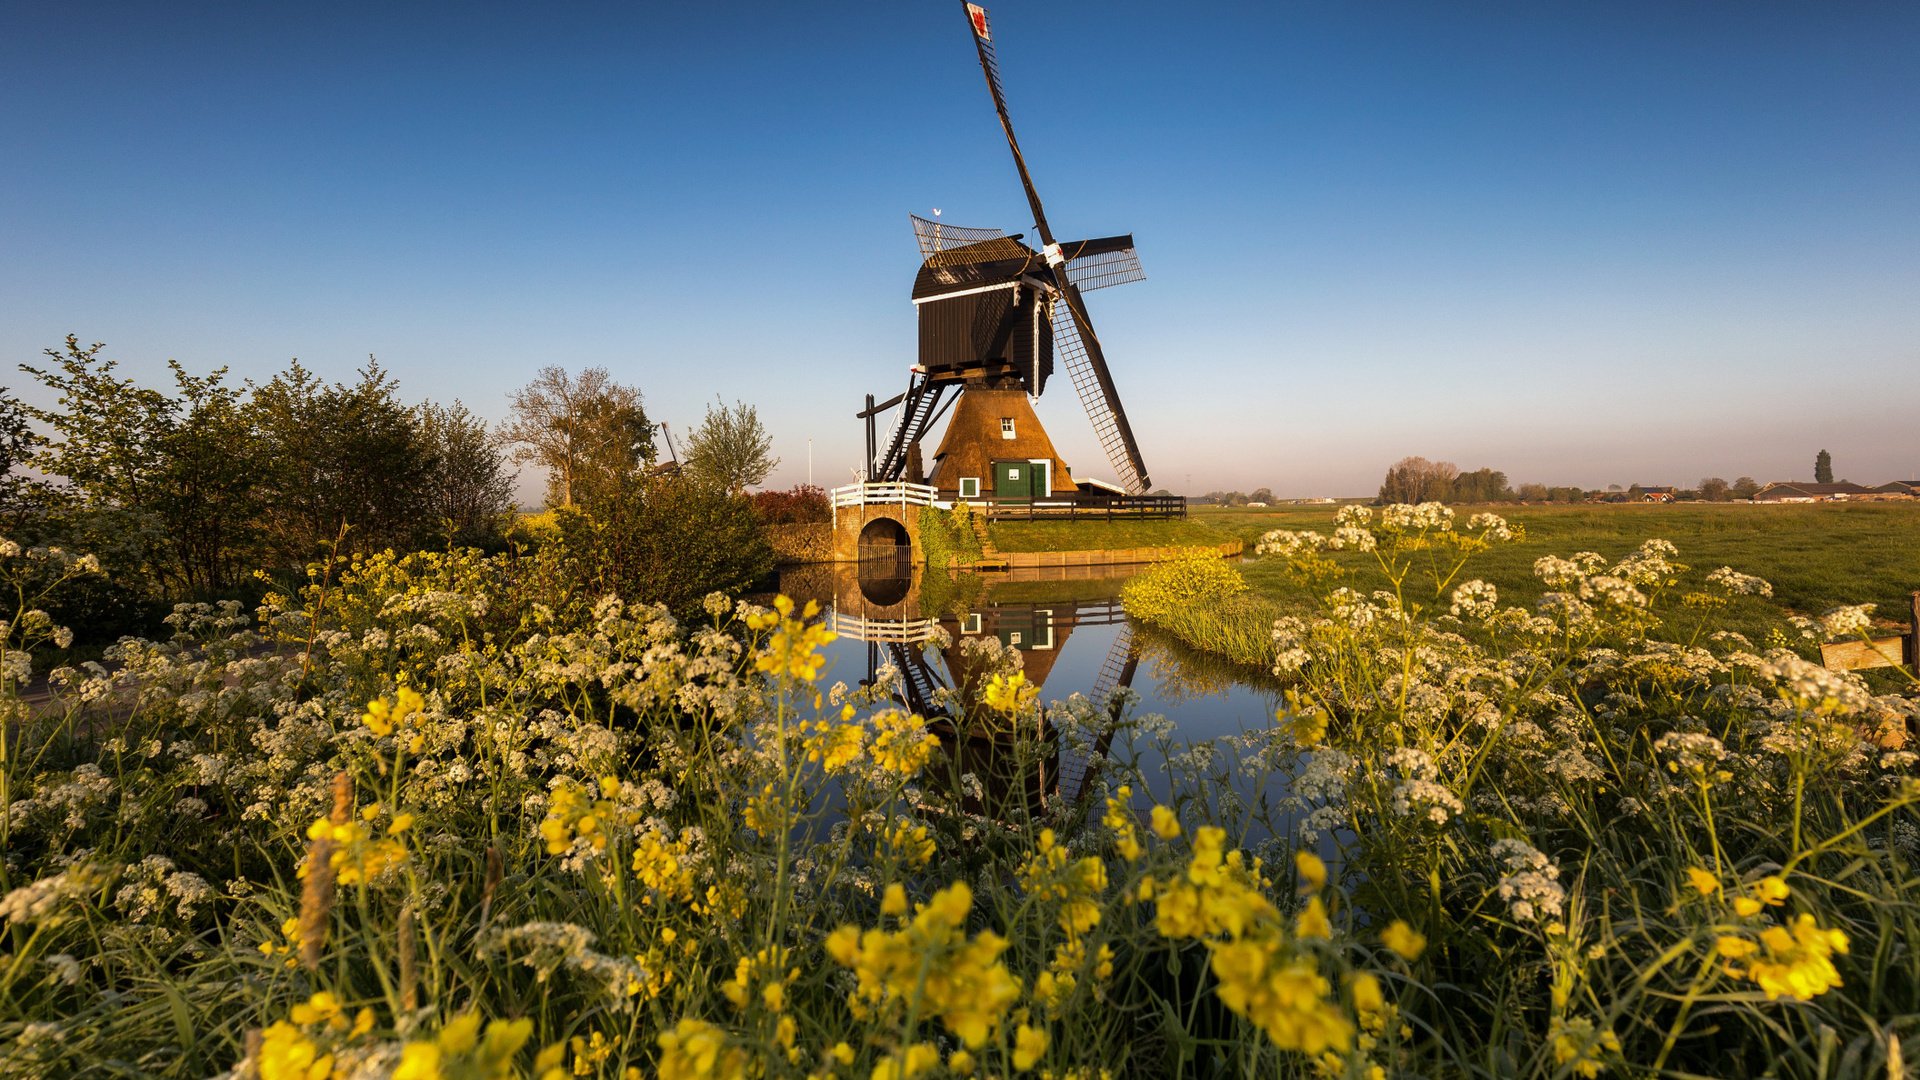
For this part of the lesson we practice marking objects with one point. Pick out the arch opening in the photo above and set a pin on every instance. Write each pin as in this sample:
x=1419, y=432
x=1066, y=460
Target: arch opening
x=886, y=561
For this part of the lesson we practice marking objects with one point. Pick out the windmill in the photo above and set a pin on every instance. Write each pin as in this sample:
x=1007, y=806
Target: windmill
x=994, y=312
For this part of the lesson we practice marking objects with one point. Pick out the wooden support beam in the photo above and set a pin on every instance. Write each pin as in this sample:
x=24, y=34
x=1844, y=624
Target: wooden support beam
x=1913, y=635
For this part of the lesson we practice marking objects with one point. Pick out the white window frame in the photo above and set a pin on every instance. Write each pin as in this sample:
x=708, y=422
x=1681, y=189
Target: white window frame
x=969, y=487
x=972, y=623
x=1045, y=628
x=1006, y=427
x=1013, y=473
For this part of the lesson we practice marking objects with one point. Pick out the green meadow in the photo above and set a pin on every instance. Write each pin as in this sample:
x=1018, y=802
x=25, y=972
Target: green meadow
x=1817, y=556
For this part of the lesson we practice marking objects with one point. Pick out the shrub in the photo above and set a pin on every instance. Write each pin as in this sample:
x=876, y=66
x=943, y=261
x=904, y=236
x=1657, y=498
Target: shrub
x=798, y=505
x=668, y=540
x=947, y=537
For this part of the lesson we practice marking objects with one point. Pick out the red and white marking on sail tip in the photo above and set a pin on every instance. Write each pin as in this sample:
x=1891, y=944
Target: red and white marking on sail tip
x=978, y=15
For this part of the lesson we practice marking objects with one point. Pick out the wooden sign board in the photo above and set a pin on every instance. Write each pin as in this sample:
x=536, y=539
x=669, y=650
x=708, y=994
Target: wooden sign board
x=1858, y=655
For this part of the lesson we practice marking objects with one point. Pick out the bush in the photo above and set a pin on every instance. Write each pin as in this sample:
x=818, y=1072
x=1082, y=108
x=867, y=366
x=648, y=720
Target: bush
x=947, y=537
x=798, y=505
x=1202, y=600
x=667, y=540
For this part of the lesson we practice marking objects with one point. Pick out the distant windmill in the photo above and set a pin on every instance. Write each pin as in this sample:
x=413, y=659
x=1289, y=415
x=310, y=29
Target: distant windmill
x=993, y=313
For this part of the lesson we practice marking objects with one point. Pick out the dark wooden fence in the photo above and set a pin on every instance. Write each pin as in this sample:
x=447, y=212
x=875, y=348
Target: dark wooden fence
x=1080, y=506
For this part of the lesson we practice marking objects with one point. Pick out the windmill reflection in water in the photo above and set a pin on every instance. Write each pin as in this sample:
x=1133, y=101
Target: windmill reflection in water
x=940, y=661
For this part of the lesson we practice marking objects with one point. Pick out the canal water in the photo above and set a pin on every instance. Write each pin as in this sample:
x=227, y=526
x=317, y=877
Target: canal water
x=1067, y=623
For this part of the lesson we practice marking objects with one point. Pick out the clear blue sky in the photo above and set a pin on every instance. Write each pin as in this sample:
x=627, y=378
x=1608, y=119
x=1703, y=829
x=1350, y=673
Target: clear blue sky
x=1581, y=243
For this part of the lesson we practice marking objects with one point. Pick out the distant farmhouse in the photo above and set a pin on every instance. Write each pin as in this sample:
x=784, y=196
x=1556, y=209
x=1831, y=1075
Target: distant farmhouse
x=1797, y=492
x=1659, y=494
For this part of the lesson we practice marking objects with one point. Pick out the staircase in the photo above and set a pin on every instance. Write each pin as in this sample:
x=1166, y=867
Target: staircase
x=917, y=681
x=916, y=412
x=990, y=556
x=1073, y=353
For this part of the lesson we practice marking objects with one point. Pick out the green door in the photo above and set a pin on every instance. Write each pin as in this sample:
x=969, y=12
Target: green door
x=1012, y=479
x=1019, y=479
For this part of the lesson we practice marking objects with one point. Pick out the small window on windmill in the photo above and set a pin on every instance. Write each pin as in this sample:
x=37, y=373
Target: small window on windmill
x=1006, y=427
x=972, y=624
x=1013, y=474
x=969, y=487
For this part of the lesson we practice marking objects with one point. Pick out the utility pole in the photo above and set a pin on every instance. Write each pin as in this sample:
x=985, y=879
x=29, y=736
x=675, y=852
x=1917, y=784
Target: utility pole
x=809, y=461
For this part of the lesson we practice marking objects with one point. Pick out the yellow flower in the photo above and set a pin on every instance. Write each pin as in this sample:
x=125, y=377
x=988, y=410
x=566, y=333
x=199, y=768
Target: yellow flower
x=1029, y=1046
x=1703, y=881
x=1369, y=1001
x=1166, y=824
x=1312, y=922
x=418, y=1061
x=1313, y=872
x=1794, y=961
x=901, y=743
x=287, y=1054
x=1577, y=1043
x=1010, y=694
x=382, y=716
x=767, y=968
x=1404, y=940
x=1076, y=885
x=319, y=1008
x=912, y=844
x=912, y=1062
x=793, y=649
x=837, y=746
x=960, y=1063
x=696, y=1050
x=1119, y=818
x=1286, y=998
x=930, y=963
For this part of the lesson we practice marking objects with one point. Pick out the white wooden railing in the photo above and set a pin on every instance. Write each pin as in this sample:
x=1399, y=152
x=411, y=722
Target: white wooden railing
x=902, y=630
x=887, y=494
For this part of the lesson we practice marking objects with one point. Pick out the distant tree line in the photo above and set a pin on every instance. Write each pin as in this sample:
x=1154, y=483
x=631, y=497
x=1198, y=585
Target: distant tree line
x=1416, y=479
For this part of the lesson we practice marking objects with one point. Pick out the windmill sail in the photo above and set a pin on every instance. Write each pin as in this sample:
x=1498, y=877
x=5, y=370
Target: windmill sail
x=1091, y=381
x=1106, y=262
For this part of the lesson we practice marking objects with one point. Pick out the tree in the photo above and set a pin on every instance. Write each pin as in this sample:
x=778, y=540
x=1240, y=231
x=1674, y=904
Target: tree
x=1262, y=495
x=22, y=496
x=1823, y=468
x=1746, y=488
x=1533, y=493
x=105, y=443
x=341, y=459
x=1714, y=489
x=1416, y=480
x=730, y=448
x=212, y=484
x=587, y=431
x=468, y=486
x=1480, y=485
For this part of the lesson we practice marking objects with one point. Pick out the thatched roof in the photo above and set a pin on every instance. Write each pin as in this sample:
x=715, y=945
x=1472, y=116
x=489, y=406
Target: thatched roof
x=973, y=441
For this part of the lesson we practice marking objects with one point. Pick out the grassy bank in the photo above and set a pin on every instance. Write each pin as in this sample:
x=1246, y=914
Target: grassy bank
x=1102, y=535
x=1817, y=557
